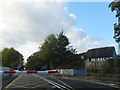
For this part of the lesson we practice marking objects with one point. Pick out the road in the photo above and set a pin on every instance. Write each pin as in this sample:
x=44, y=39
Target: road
x=6, y=81
x=51, y=82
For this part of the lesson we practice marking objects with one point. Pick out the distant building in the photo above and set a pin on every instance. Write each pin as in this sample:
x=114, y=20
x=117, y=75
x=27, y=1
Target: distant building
x=96, y=57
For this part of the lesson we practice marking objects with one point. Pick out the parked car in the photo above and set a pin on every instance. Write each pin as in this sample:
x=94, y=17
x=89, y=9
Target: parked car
x=3, y=75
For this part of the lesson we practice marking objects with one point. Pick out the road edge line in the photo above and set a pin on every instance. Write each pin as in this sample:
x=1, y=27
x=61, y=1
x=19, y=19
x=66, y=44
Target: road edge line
x=7, y=86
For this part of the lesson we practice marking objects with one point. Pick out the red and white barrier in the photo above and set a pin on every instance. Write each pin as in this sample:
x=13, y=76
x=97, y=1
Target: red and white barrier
x=29, y=72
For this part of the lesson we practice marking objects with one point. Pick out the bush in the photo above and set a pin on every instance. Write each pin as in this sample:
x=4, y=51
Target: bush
x=111, y=66
x=117, y=66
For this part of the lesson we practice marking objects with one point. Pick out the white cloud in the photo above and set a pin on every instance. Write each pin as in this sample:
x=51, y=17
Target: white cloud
x=25, y=25
x=23, y=22
x=81, y=41
x=72, y=15
x=28, y=48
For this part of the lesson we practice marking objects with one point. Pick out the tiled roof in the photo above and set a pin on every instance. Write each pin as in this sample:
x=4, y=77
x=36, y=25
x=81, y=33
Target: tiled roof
x=100, y=52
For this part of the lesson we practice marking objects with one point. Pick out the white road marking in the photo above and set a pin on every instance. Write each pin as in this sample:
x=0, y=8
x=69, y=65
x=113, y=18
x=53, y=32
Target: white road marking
x=24, y=81
x=40, y=85
x=12, y=82
x=53, y=83
x=65, y=84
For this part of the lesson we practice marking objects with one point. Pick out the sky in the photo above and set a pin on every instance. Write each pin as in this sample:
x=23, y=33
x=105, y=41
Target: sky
x=25, y=24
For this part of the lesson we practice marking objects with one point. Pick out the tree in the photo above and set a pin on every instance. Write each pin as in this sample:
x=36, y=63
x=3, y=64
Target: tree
x=56, y=50
x=64, y=50
x=111, y=66
x=115, y=6
x=118, y=66
x=11, y=58
x=48, y=50
x=34, y=63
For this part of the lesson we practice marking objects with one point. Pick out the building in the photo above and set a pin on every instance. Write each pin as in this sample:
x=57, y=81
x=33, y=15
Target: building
x=96, y=57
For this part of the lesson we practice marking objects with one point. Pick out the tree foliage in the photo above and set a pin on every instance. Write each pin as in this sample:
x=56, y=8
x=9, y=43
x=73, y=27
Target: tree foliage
x=115, y=6
x=107, y=66
x=56, y=50
x=34, y=63
x=48, y=50
x=11, y=58
x=111, y=66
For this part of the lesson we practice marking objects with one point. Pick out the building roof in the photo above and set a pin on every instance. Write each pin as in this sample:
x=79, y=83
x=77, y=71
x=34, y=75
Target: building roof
x=100, y=52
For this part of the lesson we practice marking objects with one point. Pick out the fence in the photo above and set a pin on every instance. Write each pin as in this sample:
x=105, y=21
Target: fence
x=28, y=72
x=72, y=72
x=55, y=71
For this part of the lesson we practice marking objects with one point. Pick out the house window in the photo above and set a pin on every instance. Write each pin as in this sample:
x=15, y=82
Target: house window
x=110, y=57
x=98, y=59
x=95, y=59
x=82, y=57
x=103, y=59
x=89, y=59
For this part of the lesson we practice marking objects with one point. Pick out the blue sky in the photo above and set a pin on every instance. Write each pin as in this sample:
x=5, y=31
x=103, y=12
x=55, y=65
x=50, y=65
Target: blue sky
x=25, y=25
x=95, y=18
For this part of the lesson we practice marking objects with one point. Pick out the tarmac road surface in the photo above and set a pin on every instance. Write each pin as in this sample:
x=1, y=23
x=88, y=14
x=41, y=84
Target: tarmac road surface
x=51, y=82
x=33, y=82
